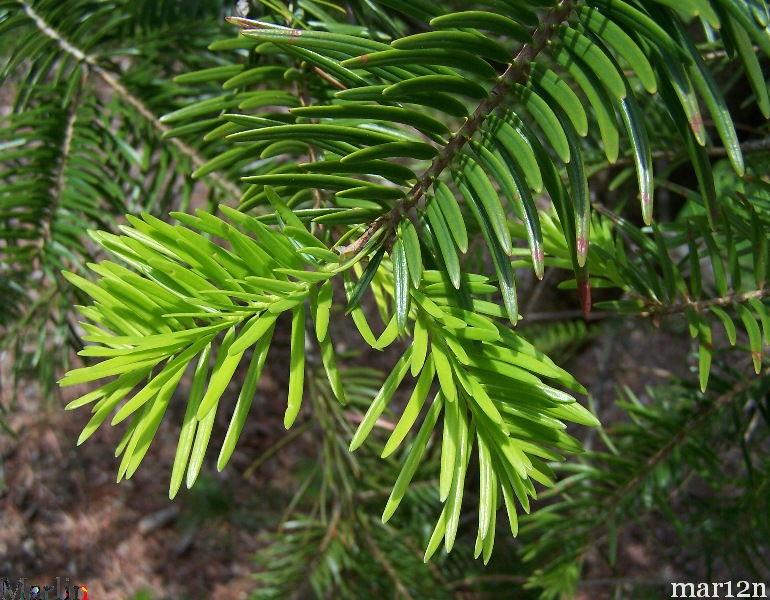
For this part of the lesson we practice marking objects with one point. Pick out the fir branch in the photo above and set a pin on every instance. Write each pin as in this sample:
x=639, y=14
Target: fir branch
x=121, y=91
x=254, y=265
x=385, y=564
x=690, y=427
x=275, y=448
x=51, y=33
x=61, y=168
x=517, y=72
x=760, y=145
x=657, y=310
x=196, y=159
x=591, y=529
x=675, y=441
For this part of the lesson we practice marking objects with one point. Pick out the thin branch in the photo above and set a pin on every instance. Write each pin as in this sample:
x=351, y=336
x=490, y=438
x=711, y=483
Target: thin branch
x=385, y=563
x=685, y=433
x=54, y=35
x=331, y=533
x=516, y=72
x=61, y=176
x=692, y=425
x=565, y=315
x=705, y=304
x=747, y=147
x=435, y=571
x=196, y=159
x=329, y=79
x=275, y=448
x=119, y=89
x=654, y=310
x=760, y=145
x=594, y=534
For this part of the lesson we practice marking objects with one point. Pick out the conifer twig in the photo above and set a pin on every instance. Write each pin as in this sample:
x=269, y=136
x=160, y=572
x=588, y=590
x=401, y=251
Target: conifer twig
x=119, y=89
x=516, y=72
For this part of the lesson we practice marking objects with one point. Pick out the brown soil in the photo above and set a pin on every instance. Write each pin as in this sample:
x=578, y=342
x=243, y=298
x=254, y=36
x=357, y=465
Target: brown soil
x=63, y=515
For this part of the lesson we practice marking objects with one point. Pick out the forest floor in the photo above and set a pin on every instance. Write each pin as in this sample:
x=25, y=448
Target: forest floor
x=63, y=515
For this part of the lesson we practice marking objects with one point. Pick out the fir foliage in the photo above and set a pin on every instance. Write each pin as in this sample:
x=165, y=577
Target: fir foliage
x=390, y=165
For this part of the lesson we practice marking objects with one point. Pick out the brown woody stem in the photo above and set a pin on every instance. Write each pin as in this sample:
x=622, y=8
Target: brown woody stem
x=705, y=304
